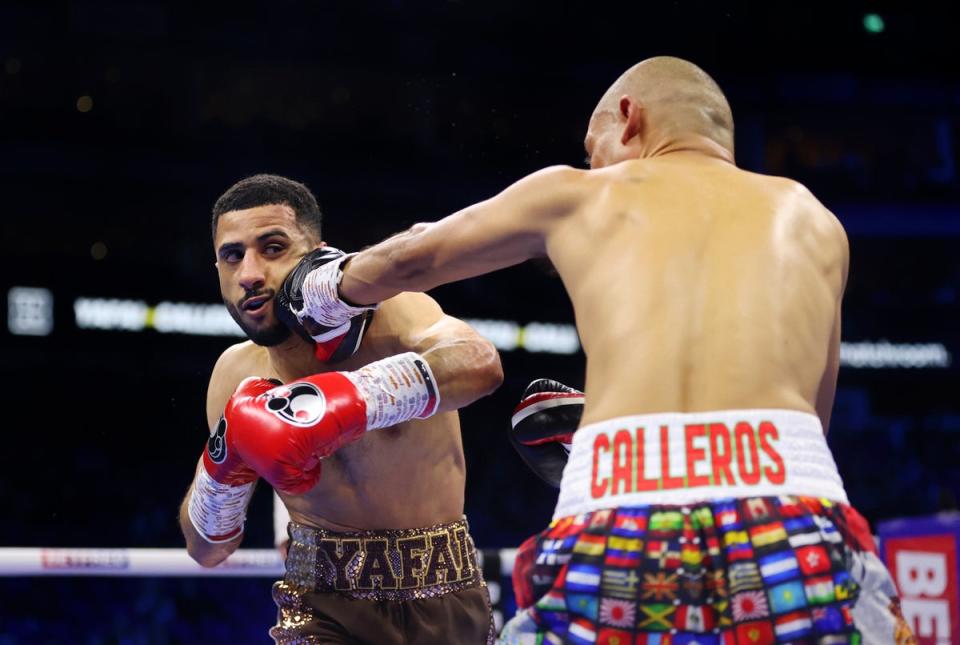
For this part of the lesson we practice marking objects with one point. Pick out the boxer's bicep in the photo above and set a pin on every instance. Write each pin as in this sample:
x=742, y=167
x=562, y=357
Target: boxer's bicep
x=504, y=230
x=217, y=397
x=224, y=379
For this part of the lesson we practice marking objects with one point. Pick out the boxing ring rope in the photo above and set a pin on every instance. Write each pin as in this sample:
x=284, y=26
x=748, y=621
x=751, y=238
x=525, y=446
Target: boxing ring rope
x=51, y=561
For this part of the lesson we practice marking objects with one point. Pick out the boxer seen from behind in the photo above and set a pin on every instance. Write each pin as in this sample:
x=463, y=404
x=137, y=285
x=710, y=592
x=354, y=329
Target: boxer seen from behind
x=700, y=502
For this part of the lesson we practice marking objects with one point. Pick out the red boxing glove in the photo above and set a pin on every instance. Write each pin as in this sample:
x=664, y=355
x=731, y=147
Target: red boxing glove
x=224, y=483
x=283, y=433
x=220, y=459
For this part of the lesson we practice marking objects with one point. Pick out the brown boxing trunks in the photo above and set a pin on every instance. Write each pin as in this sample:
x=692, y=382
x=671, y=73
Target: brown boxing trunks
x=385, y=586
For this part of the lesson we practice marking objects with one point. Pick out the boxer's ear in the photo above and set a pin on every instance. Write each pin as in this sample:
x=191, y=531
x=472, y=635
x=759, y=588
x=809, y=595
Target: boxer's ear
x=636, y=119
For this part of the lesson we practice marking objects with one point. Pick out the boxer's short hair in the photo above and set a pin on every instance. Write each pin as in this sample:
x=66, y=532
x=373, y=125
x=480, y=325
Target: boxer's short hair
x=264, y=189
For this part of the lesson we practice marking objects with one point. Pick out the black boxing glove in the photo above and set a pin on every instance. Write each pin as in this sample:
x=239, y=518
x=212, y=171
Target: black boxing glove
x=543, y=427
x=333, y=344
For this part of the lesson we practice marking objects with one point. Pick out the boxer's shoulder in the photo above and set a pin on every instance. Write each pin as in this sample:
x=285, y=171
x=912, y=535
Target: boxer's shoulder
x=785, y=187
x=792, y=199
x=406, y=311
x=416, y=322
x=824, y=222
x=236, y=363
x=560, y=173
x=393, y=318
x=238, y=358
x=812, y=226
x=553, y=191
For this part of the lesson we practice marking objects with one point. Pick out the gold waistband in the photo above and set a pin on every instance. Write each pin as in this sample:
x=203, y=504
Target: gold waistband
x=401, y=564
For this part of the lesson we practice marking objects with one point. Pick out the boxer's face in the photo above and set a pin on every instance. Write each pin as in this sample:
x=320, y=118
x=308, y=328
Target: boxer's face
x=256, y=248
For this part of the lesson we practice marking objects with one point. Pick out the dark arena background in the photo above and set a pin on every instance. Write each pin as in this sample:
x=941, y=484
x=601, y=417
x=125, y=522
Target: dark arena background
x=121, y=123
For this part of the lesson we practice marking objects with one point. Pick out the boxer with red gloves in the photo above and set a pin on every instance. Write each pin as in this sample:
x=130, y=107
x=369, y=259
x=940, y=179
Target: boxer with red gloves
x=351, y=414
x=282, y=432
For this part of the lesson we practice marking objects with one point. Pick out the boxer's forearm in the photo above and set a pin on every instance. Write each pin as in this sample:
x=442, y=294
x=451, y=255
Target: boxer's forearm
x=205, y=553
x=465, y=365
x=499, y=232
x=391, y=267
x=464, y=245
x=466, y=369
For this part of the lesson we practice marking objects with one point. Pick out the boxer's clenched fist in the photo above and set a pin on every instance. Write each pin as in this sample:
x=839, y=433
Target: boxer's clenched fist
x=293, y=307
x=543, y=426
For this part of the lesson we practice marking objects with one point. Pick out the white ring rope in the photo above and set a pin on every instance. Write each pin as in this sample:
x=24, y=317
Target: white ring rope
x=53, y=561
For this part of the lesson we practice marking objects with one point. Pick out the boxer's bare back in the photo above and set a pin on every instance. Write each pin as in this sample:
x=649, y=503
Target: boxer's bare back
x=696, y=285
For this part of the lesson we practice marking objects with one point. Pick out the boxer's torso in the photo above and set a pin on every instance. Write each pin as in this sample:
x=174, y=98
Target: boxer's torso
x=406, y=476
x=699, y=286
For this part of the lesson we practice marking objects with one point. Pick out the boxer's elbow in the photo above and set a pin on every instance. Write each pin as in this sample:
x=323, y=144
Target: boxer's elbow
x=465, y=364
x=205, y=559
x=207, y=555
x=488, y=371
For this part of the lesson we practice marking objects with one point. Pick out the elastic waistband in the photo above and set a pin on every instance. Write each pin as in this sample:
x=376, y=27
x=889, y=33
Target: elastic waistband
x=681, y=458
x=402, y=564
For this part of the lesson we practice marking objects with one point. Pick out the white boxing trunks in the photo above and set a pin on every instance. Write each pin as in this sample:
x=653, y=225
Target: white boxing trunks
x=679, y=458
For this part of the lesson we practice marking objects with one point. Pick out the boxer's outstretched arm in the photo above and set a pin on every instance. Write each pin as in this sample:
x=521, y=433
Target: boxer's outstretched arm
x=494, y=234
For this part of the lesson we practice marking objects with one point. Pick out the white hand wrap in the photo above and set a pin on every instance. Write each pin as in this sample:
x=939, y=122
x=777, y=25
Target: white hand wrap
x=321, y=297
x=218, y=510
x=396, y=389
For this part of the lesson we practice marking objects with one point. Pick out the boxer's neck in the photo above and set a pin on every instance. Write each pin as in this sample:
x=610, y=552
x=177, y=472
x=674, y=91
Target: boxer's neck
x=691, y=143
x=293, y=358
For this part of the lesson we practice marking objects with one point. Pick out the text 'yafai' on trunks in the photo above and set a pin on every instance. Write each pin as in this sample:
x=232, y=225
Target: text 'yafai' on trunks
x=386, y=586
x=424, y=560
x=383, y=565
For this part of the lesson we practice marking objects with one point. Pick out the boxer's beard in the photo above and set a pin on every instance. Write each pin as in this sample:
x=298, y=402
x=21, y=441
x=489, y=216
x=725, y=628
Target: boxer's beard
x=266, y=336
